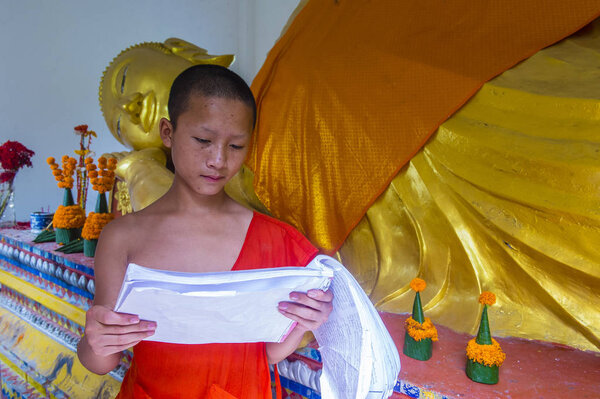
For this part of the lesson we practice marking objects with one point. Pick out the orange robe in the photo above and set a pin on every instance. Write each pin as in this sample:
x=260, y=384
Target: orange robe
x=161, y=370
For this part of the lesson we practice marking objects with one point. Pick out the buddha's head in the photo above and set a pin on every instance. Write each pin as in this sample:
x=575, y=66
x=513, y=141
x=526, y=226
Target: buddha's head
x=134, y=89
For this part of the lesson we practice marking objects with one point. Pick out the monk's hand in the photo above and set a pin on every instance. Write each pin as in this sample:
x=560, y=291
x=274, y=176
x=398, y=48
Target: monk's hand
x=309, y=309
x=108, y=332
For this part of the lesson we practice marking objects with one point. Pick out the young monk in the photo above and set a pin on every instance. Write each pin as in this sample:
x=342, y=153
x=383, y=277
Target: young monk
x=195, y=227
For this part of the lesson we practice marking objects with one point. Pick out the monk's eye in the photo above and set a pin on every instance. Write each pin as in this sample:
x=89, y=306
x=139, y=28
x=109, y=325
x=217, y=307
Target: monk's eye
x=123, y=79
x=237, y=147
x=202, y=141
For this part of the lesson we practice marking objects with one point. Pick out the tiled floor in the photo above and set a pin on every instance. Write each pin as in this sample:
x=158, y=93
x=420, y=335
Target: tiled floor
x=532, y=369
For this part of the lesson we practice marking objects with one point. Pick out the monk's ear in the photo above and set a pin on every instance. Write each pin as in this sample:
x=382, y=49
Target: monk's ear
x=166, y=132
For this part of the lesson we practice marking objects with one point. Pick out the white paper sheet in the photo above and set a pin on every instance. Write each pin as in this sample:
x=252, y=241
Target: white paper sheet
x=227, y=307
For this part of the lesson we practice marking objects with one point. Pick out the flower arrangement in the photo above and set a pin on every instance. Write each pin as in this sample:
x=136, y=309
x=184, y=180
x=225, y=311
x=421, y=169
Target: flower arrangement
x=13, y=157
x=484, y=354
x=69, y=217
x=102, y=177
x=420, y=331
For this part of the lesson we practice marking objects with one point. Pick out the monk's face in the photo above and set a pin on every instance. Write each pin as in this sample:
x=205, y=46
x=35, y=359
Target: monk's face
x=135, y=93
x=209, y=144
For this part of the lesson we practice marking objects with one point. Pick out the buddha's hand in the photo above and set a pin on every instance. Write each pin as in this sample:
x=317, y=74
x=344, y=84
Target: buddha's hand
x=108, y=332
x=309, y=309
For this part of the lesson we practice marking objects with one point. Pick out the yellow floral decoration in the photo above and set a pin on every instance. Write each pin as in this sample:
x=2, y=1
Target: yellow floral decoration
x=419, y=331
x=489, y=355
x=68, y=217
x=94, y=224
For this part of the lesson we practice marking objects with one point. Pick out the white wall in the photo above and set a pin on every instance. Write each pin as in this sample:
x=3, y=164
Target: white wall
x=55, y=53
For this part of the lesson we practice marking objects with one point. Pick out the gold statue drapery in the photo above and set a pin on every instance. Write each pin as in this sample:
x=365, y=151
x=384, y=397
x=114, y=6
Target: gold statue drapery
x=504, y=196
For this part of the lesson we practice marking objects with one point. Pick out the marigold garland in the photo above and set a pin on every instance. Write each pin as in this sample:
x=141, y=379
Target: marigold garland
x=68, y=217
x=418, y=284
x=488, y=355
x=419, y=331
x=63, y=176
x=487, y=298
x=94, y=224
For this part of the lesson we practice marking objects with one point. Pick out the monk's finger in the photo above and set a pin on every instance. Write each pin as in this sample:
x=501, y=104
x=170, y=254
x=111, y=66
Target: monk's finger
x=302, y=311
x=104, y=315
x=142, y=326
x=322, y=306
x=125, y=339
x=100, y=343
x=320, y=295
x=109, y=350
x=304, y=299
x=304, y=323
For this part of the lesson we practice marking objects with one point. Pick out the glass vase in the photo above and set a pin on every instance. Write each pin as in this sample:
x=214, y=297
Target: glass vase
x=8, y=216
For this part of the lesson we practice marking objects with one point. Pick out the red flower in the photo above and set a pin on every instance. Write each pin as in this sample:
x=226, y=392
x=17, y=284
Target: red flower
x=14, y=156
x=7, y=176
x=81, y=128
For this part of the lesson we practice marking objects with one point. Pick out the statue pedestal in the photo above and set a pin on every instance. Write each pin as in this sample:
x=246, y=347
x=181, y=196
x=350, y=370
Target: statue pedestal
x=43, y=299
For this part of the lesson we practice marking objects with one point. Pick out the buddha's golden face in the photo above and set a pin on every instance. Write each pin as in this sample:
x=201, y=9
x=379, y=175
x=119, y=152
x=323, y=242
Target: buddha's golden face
x=135, y=92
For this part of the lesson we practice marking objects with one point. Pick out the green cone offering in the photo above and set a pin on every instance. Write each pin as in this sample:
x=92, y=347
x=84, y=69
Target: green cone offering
x=484, y=355
x=420, y=332
x=62, y=219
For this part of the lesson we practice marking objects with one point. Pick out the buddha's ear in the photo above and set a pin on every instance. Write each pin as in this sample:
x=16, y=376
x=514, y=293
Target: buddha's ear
x=196, y=55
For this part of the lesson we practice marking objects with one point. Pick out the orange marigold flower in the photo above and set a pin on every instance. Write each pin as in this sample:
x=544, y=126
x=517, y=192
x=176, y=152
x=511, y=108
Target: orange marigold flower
x=489, y=355
x=487, y=298
x=88, y=160
x=418, y=284
x=420, y=331
x=57, y=172
x=65, y=158
x=93, y=173
x=94, y=224
x=73, y=161
x=50, y=160
x=54, y=166
x=68, y=217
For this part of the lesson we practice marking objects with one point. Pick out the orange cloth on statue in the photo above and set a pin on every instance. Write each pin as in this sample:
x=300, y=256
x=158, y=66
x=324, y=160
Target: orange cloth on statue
x=353, y=90
x=161, y=370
